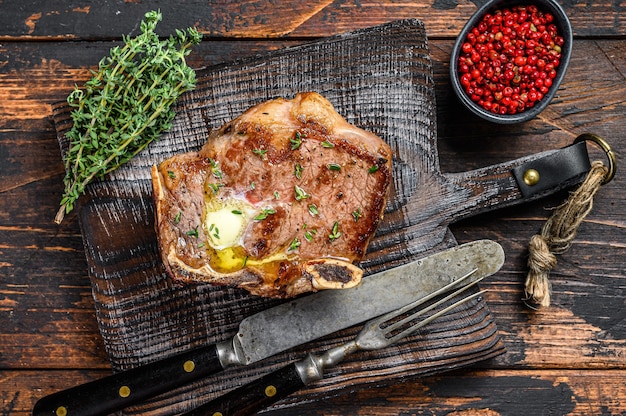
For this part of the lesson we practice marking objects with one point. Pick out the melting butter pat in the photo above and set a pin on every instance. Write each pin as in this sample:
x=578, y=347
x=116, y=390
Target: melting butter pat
x=225, y=223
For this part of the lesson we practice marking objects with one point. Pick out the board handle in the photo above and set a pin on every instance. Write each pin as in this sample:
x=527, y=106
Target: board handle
x=520, y=180
x=131, y=387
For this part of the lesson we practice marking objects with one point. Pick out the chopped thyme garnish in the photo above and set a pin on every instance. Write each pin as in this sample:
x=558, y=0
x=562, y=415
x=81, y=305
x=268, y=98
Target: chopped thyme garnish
x=193, y=233
x=300, y=193
x=294, y=244
x=333, y=166
x=297, y=170
x=236, y=212
x=313, y=209
x=215, y=169
x=356, y=214
x=276, y=195
x=171, y=174
x=327, y=144
x=215, y=232
x=177, y=218
x=373, y=169
x=296, y=141
x=215, y=187
x=335, y=232
x=265, y=212
x=260, y=152
x=310, y=234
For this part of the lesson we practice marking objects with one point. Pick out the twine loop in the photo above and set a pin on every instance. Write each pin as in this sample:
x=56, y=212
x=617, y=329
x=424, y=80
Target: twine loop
x=558, y=232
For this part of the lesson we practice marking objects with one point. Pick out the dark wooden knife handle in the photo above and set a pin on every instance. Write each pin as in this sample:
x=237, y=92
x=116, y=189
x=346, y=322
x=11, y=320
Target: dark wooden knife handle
x=254, y=396
x=116, y=392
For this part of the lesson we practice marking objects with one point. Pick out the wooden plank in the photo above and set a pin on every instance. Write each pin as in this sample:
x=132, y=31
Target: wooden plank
x=20, y=390
x=584, y=328
x=567, y=359
x=53, y=68
x=489, y=393
x=31, y=191
x=46, y=307
x=143, y=316
x=484, y=392
x=264, y=19
x=43, y=271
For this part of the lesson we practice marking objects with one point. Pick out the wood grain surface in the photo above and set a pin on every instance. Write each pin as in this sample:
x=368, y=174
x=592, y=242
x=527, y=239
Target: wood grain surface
x=566, y=359
x=143, y=315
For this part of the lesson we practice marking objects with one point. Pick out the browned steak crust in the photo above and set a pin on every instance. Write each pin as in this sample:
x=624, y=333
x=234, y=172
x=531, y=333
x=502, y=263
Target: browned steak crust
x=280, y=201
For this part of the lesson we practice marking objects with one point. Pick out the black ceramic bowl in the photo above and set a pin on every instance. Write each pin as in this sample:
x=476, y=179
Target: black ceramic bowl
x=564, y=29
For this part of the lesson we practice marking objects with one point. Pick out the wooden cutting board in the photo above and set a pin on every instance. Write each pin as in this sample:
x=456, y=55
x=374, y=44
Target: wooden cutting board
x=379, y=79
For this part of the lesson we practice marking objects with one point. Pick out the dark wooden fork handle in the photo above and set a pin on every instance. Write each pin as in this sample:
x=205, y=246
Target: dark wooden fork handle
x=252, y=397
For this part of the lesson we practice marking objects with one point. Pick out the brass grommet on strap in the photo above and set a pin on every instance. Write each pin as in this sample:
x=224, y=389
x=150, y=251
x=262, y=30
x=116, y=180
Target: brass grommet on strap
x=610, y=154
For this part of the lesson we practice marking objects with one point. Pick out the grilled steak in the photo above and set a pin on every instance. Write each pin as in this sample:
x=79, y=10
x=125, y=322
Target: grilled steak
x=282, y=200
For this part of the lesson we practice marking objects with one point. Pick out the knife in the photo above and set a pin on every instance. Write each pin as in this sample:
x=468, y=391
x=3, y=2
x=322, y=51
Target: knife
x=381, y=332
x=263, y=334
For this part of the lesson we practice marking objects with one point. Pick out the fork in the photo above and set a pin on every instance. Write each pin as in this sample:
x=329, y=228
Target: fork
x=378, y=333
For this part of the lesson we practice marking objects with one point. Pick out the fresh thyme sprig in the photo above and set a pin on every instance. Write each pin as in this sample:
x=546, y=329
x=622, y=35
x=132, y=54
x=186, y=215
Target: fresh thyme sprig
x=125, y=105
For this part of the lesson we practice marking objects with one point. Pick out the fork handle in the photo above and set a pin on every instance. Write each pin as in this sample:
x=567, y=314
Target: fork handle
x=254, y=396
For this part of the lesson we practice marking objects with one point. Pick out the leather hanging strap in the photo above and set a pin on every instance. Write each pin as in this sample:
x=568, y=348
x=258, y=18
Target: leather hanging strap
x=549, y=172
x=560, y=229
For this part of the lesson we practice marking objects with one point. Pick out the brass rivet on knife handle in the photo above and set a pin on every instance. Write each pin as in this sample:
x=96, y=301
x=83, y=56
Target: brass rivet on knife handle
x=124, y=391
x=560, y=229
x=270, y=391
x=189, y=366
x=61, y=411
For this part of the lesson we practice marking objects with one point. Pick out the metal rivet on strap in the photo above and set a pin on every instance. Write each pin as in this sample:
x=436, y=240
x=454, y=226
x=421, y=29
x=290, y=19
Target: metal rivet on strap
x=531, y=177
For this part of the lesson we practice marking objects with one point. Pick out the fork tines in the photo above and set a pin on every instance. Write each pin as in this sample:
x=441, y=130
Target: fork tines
x=402, y=322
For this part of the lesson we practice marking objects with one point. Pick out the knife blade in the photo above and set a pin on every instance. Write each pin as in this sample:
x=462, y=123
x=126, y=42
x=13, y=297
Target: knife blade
x=263, y=334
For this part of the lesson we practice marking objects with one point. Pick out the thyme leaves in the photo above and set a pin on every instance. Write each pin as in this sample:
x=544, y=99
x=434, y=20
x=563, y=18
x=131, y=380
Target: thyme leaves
x=125, y=105
x=335, y=233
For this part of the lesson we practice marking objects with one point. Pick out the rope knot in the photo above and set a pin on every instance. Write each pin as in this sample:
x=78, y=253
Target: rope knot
x=540, y=261
x=558, y=233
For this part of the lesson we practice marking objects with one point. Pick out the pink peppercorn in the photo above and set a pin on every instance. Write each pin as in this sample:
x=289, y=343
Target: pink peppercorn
x=508, y=61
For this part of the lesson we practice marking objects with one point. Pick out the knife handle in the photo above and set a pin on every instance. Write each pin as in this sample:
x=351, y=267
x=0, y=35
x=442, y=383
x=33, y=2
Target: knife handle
x=127, y=388
x=252, y=397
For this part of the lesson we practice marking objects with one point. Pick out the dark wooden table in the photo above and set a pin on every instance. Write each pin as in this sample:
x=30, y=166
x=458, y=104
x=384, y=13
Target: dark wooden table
x=569, y=358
